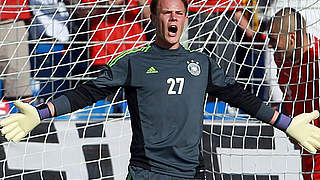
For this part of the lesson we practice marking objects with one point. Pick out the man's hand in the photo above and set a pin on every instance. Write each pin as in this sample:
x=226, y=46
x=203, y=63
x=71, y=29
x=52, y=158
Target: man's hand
x=306, y=134
x=18, y=125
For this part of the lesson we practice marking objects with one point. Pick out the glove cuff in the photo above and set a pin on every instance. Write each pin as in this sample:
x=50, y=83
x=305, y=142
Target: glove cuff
x=282, y=122
x=43, y=111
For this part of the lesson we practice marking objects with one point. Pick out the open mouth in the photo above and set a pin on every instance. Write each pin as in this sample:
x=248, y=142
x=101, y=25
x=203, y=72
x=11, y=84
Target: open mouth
x=172, y=29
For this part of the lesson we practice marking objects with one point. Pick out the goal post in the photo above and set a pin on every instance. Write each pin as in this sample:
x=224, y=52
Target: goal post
x=57, y=44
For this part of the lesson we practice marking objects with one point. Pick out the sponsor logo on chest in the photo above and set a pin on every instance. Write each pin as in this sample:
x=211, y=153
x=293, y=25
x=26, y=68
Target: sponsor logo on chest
x=152, y=70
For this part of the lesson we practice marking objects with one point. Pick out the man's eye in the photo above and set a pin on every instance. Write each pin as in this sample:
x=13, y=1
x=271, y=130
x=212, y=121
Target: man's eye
x=180, y=13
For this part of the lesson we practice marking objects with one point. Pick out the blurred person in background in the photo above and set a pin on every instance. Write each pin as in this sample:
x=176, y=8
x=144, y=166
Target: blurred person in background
x=296, y=56
x=49, y=33
x=113, y=28
x=14, y=62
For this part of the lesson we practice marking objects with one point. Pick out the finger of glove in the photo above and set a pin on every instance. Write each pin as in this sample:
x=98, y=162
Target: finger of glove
x=13, y=133
x=8, y=128
x=316, y=137
x=18, y=137
x=314, y=130
x=308, y=147
x=314, y=142
x=23, y=107
x=12, y=118
x=308, y=117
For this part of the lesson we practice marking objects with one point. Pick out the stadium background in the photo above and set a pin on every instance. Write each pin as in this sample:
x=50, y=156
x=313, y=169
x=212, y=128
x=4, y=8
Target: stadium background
x=72, y=147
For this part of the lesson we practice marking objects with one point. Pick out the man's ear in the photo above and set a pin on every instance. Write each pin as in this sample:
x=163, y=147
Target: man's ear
x=186, y=20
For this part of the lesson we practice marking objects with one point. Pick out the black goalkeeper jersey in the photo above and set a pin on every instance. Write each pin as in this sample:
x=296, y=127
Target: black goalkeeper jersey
x=165, y=90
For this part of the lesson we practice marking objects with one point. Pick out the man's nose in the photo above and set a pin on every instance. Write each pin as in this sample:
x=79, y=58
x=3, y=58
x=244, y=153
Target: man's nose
x=173, y=16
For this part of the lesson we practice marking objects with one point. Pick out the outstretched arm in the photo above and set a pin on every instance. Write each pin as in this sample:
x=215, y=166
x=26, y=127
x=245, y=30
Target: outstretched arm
x=18, y=125
x=298, y=128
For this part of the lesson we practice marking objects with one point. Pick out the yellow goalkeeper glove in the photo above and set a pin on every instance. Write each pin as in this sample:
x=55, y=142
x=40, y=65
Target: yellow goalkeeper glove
x=306, y=134
x=18, y=125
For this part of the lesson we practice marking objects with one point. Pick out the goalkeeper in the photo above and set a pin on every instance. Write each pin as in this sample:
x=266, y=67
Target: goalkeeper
x=165, y=87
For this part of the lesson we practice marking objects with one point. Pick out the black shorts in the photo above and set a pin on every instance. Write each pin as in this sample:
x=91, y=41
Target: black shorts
x=137, y=173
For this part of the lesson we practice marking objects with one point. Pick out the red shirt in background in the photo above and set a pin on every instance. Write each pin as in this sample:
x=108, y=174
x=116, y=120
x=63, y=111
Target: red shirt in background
x=14, y=12
x=215, y=5
x=300, y=85
x=116, y=34
x=114, y=31
x=300, y=82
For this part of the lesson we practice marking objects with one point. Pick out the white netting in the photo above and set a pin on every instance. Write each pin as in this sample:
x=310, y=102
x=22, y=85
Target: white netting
x=49, y=46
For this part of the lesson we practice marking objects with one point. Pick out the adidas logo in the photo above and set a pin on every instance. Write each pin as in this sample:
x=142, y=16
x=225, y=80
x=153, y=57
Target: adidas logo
x=152, y=70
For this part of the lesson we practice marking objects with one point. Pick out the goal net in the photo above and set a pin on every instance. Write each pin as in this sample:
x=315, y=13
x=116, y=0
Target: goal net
x=50, y=46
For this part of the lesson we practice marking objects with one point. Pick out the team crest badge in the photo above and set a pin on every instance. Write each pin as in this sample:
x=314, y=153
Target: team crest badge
x=194, y=68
